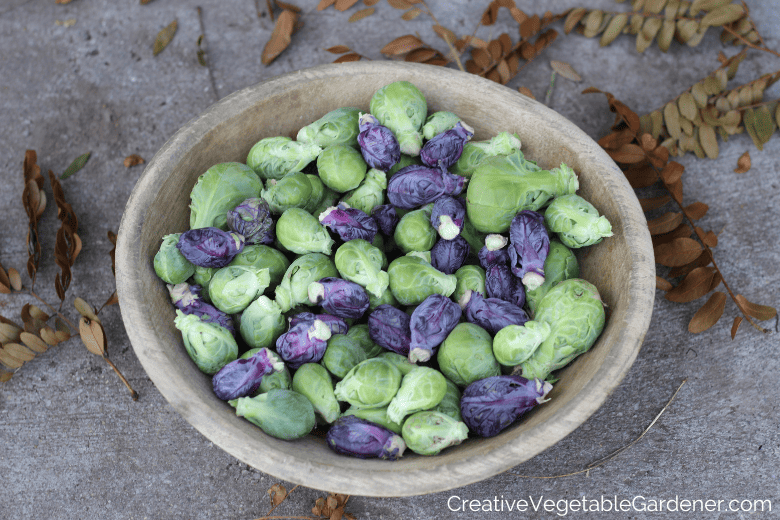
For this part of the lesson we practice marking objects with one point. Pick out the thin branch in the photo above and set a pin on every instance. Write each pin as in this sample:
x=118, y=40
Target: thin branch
x=748, y=42
x=57, y=312
x=208, y=59
x=133, y=393
x=266, y=517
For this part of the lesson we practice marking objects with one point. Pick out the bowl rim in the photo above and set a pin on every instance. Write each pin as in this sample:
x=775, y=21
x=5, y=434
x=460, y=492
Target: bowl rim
x=362, y=481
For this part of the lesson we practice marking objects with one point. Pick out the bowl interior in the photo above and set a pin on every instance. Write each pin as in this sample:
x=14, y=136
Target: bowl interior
x=621, y=267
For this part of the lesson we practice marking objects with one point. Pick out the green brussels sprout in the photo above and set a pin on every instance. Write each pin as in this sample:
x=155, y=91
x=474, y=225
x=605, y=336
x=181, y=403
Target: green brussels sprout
x=202, y=277
x=476, y=239
x=466, y=355
x=360, y=262
x=370, y=193
x=263, y=257
x=475, y=152
x=277, y=379
x=386, y=297
x=275, y=157
x=425, y=255
x=210, y=346
x=450, y=404
x=402, y=363
x=338, y=126
x=376, y=416
x=300, y=232
x=379, y=243
x=317, y=193
x=313, y=381
x=329, y=198
x=414, y=231
x=429, y=432
x=413, y=279
x=262, y=322
x=422, y=388
x=370, y=384
x=575, y=313
x=503, y=186
x=294, y=287
x=169, y=264
x=403, y=162
x=359, y=334
x=402, y=108
x=576, y=221
x=560, y=264
x=342, y=354
x=220, y=189
x=283, y=414
x=470, y=277
x=291, y=191
x=234, y=287
x=341, y=168
x=439, y=122
x=515, y=343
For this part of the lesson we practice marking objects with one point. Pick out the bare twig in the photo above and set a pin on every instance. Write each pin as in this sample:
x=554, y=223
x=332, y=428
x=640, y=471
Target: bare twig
x=548, y=96
x=133, y=393
x=208, y=60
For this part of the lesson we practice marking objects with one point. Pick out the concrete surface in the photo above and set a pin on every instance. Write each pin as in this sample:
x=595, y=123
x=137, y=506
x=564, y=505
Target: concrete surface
x=73, y=444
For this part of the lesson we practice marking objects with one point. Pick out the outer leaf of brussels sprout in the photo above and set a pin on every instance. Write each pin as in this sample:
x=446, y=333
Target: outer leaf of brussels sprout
x=360, y=262
x=414, y=186
x=252, y=219
x=338, y=126
x=233, y=288
x=360, y=334
x=386, y=298
x=334, y=323
x=277, y=379
x=516, y=343
x=301, y=233
x=576, y=221
x=203, y=277
x=402, y=363
x=470, y=277
x=339, y=297
x=491, y=314
x=447, y=216
x=262, y=323
x=449, y=255
x=374, y=415
x=341, y=168
x=444, y=149
x=263, y=257
x=386, y=218
x=242, y=377
x=494, y=251
x=349, y=223
x=402, y=108
x=220, y=189
x=291, y=191
x=502, y=284
x=317, y=193
x=413, y=279
x=530, y=244
x=429, y=432
x=476, y=239
x=439, y=122
x=560, y=264
x=475, y=152
x=388, y=327
x=378, y=145
x=303, y=343
x=450, y=404
x=187, y=298
x=414, y=231
x=403, y=162
x=421, y=389
x=430, y=324
x=370, y=193
x=283, y=414
x=293, y=289
x=342, y=354
x=313, y=381
x=210, y=247
x=357, y=437
x=466, y=355
x=275, y=157
x=370, y=384
x=210, y=346
x=329, y=198
x=169, y=264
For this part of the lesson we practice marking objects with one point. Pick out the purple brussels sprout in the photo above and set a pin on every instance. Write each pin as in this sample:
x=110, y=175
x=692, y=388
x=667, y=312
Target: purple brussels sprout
x=431, y=323
x=445, y=148
x=210, y=247
x=447, y=216
x=415, y=185
x=336, y=324
x=494, y=251
x=502, y=284
x=389, y=328
x=252, y=219
x=349, y=223
x=351, y=435
x=386, y=218
x=305, y=342
x=491, y=314
x=339, y=297
x=187, y=298
x=530, y=243
x=378, y=144
x=449, y=255
x=242, y=377
x=490, y=405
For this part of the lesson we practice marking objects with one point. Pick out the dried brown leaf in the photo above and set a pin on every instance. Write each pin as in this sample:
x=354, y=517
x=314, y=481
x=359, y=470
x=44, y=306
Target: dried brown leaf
x=490, y=14
x=743, y=163
x=641, y=175
x=530, y=26
x=518, y=15
x=659, y=156
x=672, y=172
x=647, y=142
x=352, y=56
x=343, y=5
x=421, y=55
x=400, y=4
x=288, y=7
x=33, y=342
x=93, y=336
x=5, y=376
x=616, y=139
x=445, y=34
x=8, y=360
x=722, y=15
x=665, y=223
x=678, y=252
x=735, y=326
x=651, y=203
x=759, y=312
x=277, y=494
x=19, y=351
x=662, y=284
x=495, y=50
x=133, y=160
x=628, y=154
x=709, y=313
x=676, y=190
x=85, y=309
x=526, y=92
x=566, y=70
x=411, y=14
x=481, y=58
x=695, y=285
x=402, y=45
x=9, y=332
x=613, y=29
x=324, y=4
x=338, y=49
x=708, y=141
x=15, y=279
x=704, y=260
x=49, y=336
x=359, y=15
x=111, y=300
x=573, y=18
x=280, y=37
x=503, y=70
x=164, y=37
x=696, y=210
x=592, y=23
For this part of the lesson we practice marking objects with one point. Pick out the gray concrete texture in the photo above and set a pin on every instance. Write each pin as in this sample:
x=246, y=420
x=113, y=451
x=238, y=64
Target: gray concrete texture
x=74, y=445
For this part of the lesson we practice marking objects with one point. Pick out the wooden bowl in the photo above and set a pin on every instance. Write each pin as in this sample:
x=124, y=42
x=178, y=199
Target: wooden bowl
x=621, y=267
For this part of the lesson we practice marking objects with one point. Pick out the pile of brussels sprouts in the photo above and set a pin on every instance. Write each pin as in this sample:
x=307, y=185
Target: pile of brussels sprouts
x=386, y=277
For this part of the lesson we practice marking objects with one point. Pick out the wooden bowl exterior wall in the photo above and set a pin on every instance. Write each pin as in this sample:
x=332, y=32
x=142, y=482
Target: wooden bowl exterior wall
x=622, y=268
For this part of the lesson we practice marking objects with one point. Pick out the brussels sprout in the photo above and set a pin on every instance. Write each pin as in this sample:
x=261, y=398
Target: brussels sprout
x=374, y=415
x=338, y=126
x=576, y=221
x=421, y=389
x=414, y=186
x=220, y=189
x=423, y=255
x=502, y=284
x=515, y=343
x=386, y=218
x=360, y=438
x=342, y=354
x=313, y=381
x=450, y=404
x=447, y=216
x=305, y=342
x=414, y=231
x=402, y=108
x=341, y=168
x=234, y=287
x=370, y=384
x=294, y=287
x=386, y=298
x=262, y=323
x=389, y=327
x=503, y=186
x=370, y=193
x=301, y=233
x=361, y=335
x=403, y=162
x=334, y=323
x=475, y=152
x=360, y=262
x=449, y=255
x=349, y=223
x=490, y=405
x=317, y=193
x=242, y=377
x=378, y=145
x=402, y=363
x=430, y=323
x=494, y=251
x=491, y=314
x=291, y=191
x=444, y=149
x=329, y=198
x=413, y=279
x=169, y=264
x=429, y=432
x=210, y=247
x=339, y=297
x=467, y=355
x=252, y=219
x=187, y=298
x=530, y=244
x=476, y=239
x=439, y=122
x=575, y=313
x=203, y=277
x=210, y=346
x=560, y=264
x=283, y=414
x=264, y=257
x=276, y=379
x=470, y=277
x=275, y=157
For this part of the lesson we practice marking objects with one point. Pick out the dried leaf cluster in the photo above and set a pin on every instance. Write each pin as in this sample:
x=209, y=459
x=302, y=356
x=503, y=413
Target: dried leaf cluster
x=645, y=162
x=331, y=508
x=34, y=201
x=286, y=24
